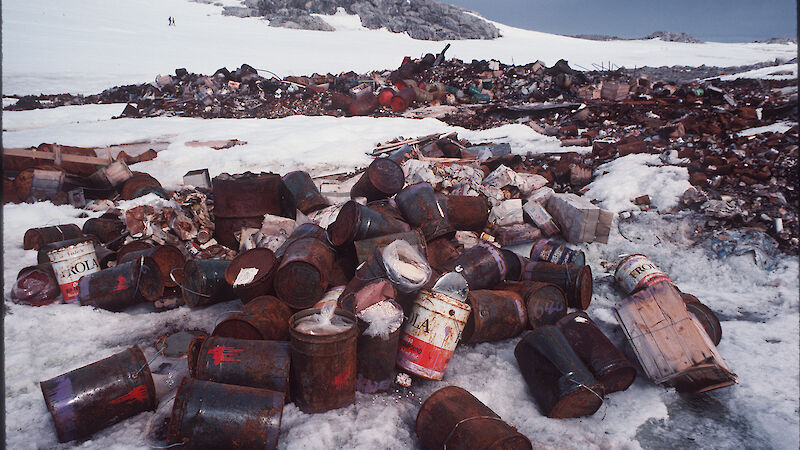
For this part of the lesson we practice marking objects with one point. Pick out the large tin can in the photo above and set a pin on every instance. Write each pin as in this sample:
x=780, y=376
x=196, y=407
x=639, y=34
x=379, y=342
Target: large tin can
x=431, y=334
x=377, y=352
x=305, y=192
x=106, y=229
x=36, y=286
x=140, y=184
x=208, y=415
x=263, y=318
x=258, y=364
x=636, y=272
x=453, y=418
x=440, y=252
x=420, y=207
x=545, y=303
x=356, y=222
x=123, y=285
x=256, y=267
x=560, y=383
x=204, y=282
x=576, y=281
x=304, y=272
x=601, y=356
x=133, y=247
x=37, y=237
x=483, y=266
x=70, y=263
x=323, y=366
x=100, y=394
x=43, y=255
x=382, y=179
x=496, y=315
x=465, y=212
x=166, y=257
x=557, y=253
x=303, y=231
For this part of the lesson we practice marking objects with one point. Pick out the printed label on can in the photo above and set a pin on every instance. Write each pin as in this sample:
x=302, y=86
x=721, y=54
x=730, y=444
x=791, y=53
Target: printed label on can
x=636, y=272
x=70, y=264
x=551, y=252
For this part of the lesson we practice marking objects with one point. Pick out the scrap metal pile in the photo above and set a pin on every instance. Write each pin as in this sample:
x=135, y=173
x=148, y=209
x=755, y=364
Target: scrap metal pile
x=345, y=280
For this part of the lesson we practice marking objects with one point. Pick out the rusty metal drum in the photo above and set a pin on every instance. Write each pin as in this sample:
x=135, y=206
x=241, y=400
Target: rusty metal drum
x=132, y=246
x=559, y=381
x=304, y=272
x=204, y=282
x=365, y=248
x=440, y=252
x=98, y=395
x=636, y=272
x=453, y=418
x=70, y=263
x=306, y=194
x=37, y=237
x=466, y=212
x=545, y=303
x=420, y=207
x=382, y=179
x=250, y=273
x=606, y=362
x=303, y=231
x=431, y=334
x=123, y=285
x=357, y=222
x=323, y=365
x=263, y=318
x=576, y=281
x=36, y=286
x=377, y=348
x=254, y=363
x=483, y=266
x=496, y=315
x=208, y=415
x=106, y=229
x=557, y=253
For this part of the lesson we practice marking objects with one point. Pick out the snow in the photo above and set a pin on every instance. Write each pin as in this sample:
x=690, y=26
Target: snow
x=780, y=72
x=780, y=127
x=87, y=46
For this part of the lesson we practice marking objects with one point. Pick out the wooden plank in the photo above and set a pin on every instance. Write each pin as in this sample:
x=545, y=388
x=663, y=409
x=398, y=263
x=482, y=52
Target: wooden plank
x=65, y=157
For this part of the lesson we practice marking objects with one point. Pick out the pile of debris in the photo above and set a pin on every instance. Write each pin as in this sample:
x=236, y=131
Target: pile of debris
x=437, y=243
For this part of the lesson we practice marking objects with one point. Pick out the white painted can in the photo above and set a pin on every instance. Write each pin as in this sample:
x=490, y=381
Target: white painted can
x=70, y=264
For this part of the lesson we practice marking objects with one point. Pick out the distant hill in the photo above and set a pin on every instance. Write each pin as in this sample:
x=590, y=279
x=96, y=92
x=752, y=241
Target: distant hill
x=421, y=19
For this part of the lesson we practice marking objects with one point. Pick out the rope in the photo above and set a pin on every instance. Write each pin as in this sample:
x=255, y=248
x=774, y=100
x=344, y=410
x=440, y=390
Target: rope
x=450, y=435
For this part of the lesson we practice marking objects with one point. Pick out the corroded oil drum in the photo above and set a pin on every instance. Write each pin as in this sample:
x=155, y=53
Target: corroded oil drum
x=304, y=272
x=576, y=281
x=453, y=418
x=356, y=222
x=263, y=318
x=123, y=285
x=376, y=355
x=466, y=212
x=545, y=303
x=106, y=229
x=36, y=286
x=496, y=315
x=37, y=237
x=305, y=192
x=557, y=253
x=382, y=179
x=258, y=364
x=98, y=395
x=204, y=282
x=420, y=207
x=483, y=266
x=263, y=262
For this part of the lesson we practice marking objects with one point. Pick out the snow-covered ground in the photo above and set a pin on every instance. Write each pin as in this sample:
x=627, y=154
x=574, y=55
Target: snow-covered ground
x=89, y=45
x=85, y=46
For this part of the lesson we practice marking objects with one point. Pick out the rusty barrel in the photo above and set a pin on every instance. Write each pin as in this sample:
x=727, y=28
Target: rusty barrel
x=483, y=266
x=379, y=333
x=420, y=207
x=561, y=384
x=323, y=365
x=243, y=362
x=167, y=257
x=106, y=257
x=263, y=318
x=138, y=185
x=385, y=95
x=36, y=286
x=106, y=229
x=305, y=192
x=71, y=262
x=466, y=212
x=453, y=418
x=606, y=362
x=706, y=317
x=204, y=282
x=440, y=252
x=303, y=231
x=403, y=99
x=635, y=272
x=364, y=104
x=557, y=253
x=250, y=273
x=513, y=264
x=365, y=248
x=576, y=281
x=496, y=315
x=357, y=222
x=98, y=395
x=210, y=415
x=132, y=246
x=123, y=285
x=545, y=303
x=304, y=272
x=37, y=237
x=382, y=179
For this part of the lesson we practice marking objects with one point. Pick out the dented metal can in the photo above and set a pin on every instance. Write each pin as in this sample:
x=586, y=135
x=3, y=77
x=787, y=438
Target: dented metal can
x=70, y=263
x=545, y=303
x=557, y=253
x=483, y=266
x=263, y=318
x=382, y=179
x=36, y=286
x=261, y=263
x=559, y=381
x=470, y=213
x=431, y=334
x=204, y=282
x=254, y=363
x=496, y=315
x=357, y=222
x=453, y=418
x=95, y=396
x=214, y=415
x=420, y=207
x=106, y=229
x=123, y=285
x=376, y=357
x=323, y=366
x=306, y=194
x=35, y=238
x=304, y=272
x=606, y=362
x=636, y=272
x=576, y=281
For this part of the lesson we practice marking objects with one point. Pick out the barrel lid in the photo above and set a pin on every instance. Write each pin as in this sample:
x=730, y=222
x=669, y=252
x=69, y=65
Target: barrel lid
x=386, y=176
x=260, y=258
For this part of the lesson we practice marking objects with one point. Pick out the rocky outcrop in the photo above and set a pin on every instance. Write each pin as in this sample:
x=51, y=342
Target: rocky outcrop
x=421, y=19
x=671, y=36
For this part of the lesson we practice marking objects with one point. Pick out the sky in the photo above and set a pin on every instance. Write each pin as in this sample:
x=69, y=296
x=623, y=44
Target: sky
x=708, y=20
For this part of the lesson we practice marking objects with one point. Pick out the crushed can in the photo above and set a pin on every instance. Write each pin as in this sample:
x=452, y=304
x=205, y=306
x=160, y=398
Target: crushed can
x=263, y=318
x=496, y=315
x=420, y=207
x=36, y=286
x=254, y=363
x=70, y=263
x=382, y=179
